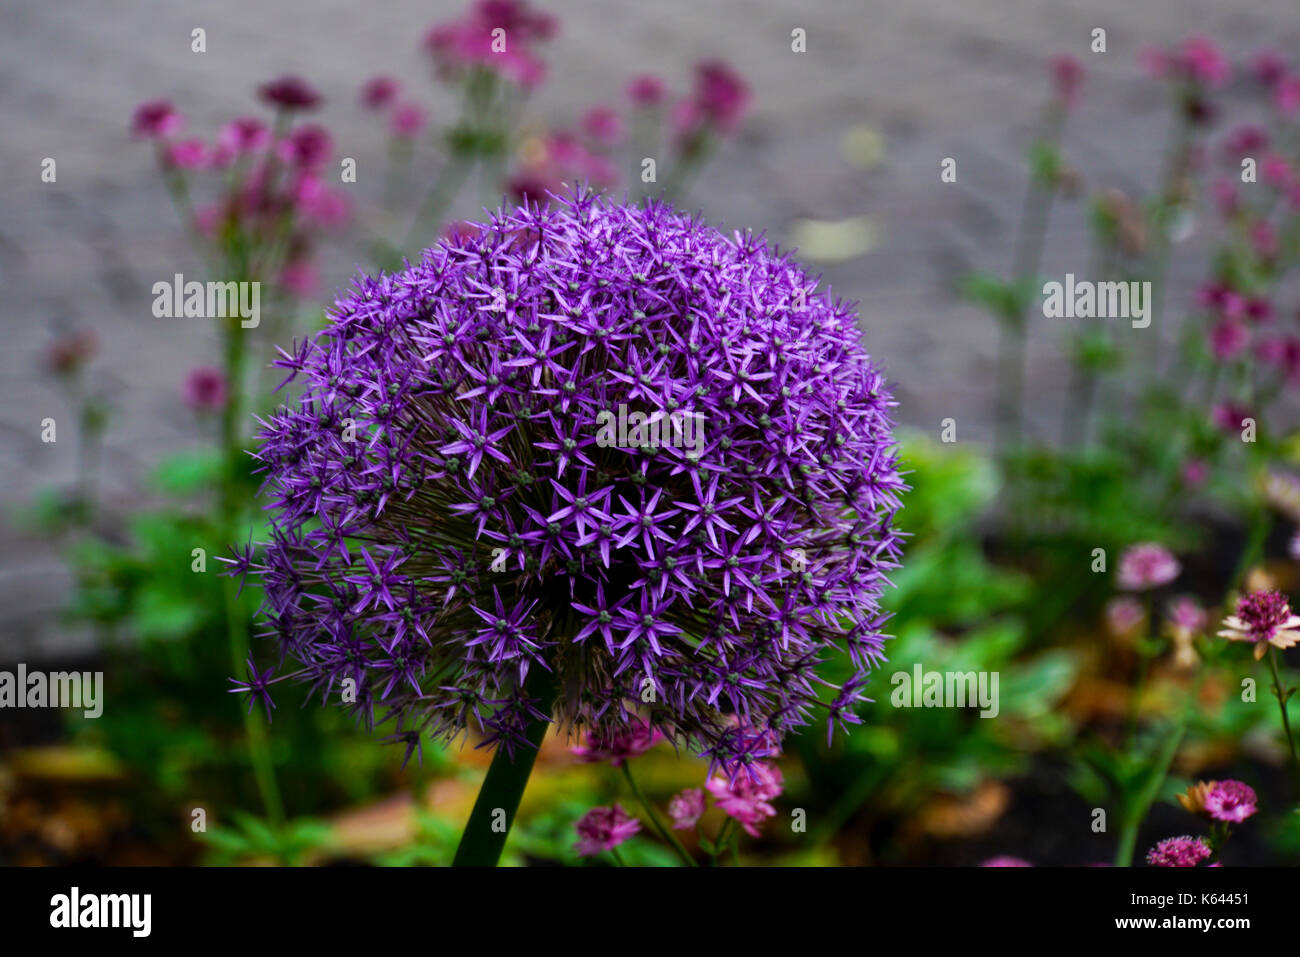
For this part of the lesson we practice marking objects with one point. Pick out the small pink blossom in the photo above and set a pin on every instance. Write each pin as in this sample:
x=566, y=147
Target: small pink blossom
x=308, y=146
x=748, y=798
x=290, y=93
x=1230, y=801
x=1006, y=861
x=1268, y=66
x=646, y=90
x=156, y=119
x=603, y=829
x=686, y=807
x=1230, y=416
x=205, y=389
x=1195, y=471
x=1228, y=338
x=1146, y=566
x=1186, y=613
x=300, y=278
x=1286, y=95
x=603, y=125
x=635, y=740
x=1183, y=851
x=1123, y=615
x=1067, y=79
x=187, y=154
x=408, y=121
x=379, y=92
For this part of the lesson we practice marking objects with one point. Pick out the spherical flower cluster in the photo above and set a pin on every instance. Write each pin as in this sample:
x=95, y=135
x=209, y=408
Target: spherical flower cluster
x=603, y=829
x=1230, y=801
x=1183, y=851
x=587, y=462
x=1263, y=618
x=1146, y=566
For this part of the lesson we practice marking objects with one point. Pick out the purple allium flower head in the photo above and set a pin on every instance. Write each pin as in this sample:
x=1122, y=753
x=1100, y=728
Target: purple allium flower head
x=603, y=829
x=686, y=808
x=601, y=445
x=1146, y=566
x=1230, y=801
x=1178, y=852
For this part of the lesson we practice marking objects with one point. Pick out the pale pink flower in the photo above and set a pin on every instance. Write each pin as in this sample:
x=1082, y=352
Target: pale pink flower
x=686, y=807
x=1145, y=566
x=748, y=798
x=603, y=829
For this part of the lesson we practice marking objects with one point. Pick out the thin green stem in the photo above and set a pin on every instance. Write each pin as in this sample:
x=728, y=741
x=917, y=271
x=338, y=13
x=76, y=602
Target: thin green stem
x=1281, y=694
x=664, y=832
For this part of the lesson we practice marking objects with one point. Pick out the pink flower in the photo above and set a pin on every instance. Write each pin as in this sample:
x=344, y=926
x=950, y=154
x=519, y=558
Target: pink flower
x=1286, y=95
x=497, y=34
x=205, y=389
x=1245, y=139
x=319, y=203
x=1123, y=615
x=1228, y=338
x=408, y=121
x=1269, y=66
x=1204, y=61
x=1224, y=192
x=1146, y=566
x=156, y=119
x=748, y=798
x=187, y=154
x=1186, y=613
x=1263, y=619
x=1195, y=471
x=603, y=829
x=1263, y=239
x=633, y=742
x=1275, y=170
x=686, y=807
x=1293, y=549
x=1006, y=861
x=603, y=125
x=299, y=277
x=379, y=91
x=244, y=134
x=1067, y=79
x=1282, y=352
x=1230, y=801
x=1229, y=416
x=717, y=102
x=290, y=93
x=646, y=90
x=308, y=146
x=1183, y=851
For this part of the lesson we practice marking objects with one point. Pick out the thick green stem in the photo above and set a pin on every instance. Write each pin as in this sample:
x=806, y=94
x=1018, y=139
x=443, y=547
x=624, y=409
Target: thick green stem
x=485, y=834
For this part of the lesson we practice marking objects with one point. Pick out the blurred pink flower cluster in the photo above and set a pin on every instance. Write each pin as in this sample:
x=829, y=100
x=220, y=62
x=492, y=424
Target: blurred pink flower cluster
x=273, y=199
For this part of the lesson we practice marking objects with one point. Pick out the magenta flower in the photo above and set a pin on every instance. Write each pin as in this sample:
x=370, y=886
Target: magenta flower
x=379, y=92
x=308, y=146
x=1286, y=95
x=748, y=796
x=1230, y=416
x=156, y=119
x=717, y=102
x=1183, y=851
x=619, y=745
x=1122, y=615
x=290, y=93
x=1263, y=618
x=1186, y=613
x=497, y=35
x=603, y=829
x=188, y=154
x=603, y=125
x=1202, y=59
x=646, y=90
x=408, y=121
x=1006, y=861
x=1146, y=566
x=686, y=808
x=1268, y=66
x=1230, y=801
x=1228, y=338
x=244, y=134
x=205, y=389
x=1067, y=80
